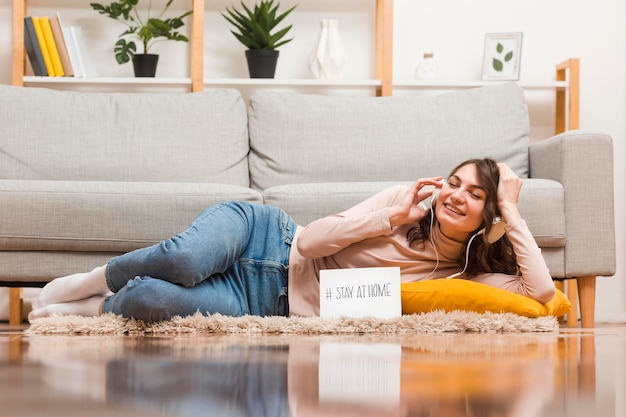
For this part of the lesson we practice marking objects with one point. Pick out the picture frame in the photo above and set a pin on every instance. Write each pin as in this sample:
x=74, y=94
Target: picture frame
x=502, y=56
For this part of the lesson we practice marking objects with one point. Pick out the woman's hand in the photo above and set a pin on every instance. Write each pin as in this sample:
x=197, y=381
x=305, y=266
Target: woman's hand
x=408, y=210
x=509, y=189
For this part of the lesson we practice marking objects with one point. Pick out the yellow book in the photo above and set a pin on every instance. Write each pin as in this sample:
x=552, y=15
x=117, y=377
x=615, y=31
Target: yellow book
x=52, y=47
x=42, y=45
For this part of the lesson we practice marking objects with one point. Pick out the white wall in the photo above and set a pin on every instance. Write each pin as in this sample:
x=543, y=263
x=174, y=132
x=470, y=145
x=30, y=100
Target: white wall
x=454, y=30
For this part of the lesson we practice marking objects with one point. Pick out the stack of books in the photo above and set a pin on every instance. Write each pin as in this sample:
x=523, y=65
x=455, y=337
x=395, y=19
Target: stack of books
x=56, y=51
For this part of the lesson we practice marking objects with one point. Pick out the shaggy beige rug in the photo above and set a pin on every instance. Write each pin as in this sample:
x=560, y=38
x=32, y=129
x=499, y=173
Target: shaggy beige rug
x=433, y=322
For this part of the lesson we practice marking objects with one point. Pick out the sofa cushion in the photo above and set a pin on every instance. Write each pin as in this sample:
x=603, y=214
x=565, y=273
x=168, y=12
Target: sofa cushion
x=102, y=216
x=63, y=135
x=300, y=138
x=309, y=202
x=36, y=268
x=541, y=203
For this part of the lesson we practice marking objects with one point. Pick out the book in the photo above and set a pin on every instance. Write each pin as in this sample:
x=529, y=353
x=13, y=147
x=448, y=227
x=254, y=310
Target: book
x=80, y=67
x=43, y=47
x=55, y=25
x=52, y=46
x=84, y=57
x=72, y=51
x=33, y=50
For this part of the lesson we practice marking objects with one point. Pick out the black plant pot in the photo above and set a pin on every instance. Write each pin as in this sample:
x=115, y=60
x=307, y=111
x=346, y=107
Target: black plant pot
x=262, y=62
x=145, y=65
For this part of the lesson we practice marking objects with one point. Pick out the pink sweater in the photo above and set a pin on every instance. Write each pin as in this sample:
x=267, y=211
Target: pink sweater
x=362, y=237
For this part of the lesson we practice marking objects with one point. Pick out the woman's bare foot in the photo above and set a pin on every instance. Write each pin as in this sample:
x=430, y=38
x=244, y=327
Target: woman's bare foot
x=87, y=307
x=72, y=288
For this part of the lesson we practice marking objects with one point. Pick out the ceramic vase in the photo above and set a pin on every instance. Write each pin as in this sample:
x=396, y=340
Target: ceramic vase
x=428, y=68
x=328, y=60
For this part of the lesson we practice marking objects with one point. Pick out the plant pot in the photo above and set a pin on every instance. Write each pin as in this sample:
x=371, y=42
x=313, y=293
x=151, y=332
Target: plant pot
x=145, y=65
x=262, y=62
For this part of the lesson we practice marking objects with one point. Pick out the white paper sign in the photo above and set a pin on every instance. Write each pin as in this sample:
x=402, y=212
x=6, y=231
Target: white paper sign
x=360, y=292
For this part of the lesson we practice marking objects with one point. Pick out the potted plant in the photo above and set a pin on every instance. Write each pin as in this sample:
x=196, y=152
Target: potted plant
x=254, y=30
x=147, y=30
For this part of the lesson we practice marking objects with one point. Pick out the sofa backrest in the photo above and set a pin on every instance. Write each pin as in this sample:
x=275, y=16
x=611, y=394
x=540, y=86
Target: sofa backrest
x=300, y=138
x=62, y=135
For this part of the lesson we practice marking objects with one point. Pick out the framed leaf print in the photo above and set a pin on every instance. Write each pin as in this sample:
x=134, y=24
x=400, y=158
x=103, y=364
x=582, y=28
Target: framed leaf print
x=502, y=56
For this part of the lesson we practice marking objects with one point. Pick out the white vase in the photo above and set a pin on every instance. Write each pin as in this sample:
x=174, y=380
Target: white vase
x=328, y=60
x=428, y=68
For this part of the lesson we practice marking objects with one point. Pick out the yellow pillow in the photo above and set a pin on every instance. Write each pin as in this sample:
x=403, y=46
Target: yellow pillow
x=461, y=294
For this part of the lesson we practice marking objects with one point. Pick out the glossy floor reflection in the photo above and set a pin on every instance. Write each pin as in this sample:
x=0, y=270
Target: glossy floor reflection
x=573, y=373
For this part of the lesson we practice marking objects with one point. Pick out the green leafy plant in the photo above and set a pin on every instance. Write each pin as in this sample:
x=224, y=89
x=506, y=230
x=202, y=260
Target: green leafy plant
x=497, y=62
x=254, y=27
x=147, y=30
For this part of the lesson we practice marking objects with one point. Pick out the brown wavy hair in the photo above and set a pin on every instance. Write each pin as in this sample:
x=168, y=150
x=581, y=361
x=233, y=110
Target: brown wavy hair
x=483, y=257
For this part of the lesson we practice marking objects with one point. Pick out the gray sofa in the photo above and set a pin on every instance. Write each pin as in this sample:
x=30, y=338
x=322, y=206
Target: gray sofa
x=87, y=176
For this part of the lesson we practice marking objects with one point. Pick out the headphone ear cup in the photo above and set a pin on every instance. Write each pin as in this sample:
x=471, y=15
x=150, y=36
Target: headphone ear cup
x=497, y=230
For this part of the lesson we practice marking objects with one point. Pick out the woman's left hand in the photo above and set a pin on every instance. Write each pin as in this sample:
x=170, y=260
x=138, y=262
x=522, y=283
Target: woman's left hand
x=509, y=189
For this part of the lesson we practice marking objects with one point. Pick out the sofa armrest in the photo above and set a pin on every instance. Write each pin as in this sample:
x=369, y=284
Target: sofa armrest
x=583, y=163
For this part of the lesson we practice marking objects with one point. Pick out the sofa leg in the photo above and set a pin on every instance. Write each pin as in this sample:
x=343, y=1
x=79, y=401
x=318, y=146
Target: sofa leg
x=587, y=298
x=572, y=295
x=15, y=306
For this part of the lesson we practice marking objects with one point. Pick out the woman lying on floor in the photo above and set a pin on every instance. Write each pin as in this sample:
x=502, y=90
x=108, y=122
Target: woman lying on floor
x=238, y=258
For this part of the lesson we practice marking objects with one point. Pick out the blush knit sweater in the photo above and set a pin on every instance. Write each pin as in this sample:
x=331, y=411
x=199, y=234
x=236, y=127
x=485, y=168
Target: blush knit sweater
x=362, y=237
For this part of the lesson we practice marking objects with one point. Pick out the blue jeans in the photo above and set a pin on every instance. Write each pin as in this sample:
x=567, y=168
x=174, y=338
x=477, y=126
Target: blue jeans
x=233, y=260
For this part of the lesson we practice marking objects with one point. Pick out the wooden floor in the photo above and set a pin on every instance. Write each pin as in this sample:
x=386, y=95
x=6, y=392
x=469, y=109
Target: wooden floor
x=573, y=373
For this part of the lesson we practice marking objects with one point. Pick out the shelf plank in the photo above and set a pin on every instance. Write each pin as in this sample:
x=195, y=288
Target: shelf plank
x=282, y=82
x=186, y=81
x=290, y=82
x=209, y=81
x=444, y=85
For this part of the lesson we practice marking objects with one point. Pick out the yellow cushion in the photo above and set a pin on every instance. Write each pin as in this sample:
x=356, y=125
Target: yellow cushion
x=460, y=294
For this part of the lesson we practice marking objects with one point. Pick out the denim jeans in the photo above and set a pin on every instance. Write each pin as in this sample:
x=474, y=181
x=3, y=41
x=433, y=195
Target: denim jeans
x=233, y=260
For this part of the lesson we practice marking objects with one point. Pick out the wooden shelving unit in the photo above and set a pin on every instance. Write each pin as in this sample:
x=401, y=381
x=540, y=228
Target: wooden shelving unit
x=568, y=100
x=566, y=85
x=196, y=80
x=383, y=57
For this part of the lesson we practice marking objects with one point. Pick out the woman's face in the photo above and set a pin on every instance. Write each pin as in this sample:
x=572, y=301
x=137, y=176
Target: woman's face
x=460, y=204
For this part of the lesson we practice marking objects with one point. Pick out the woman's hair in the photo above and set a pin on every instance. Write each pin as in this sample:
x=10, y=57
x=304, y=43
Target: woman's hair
x=483, y=256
